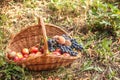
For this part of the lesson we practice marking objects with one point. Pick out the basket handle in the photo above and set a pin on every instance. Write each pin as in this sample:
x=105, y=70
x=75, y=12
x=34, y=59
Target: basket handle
x=41, y=23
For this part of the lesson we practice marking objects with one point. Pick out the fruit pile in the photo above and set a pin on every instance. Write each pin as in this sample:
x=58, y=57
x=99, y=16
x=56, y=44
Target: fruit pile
x=58, y=45
x=24, y=54
x=64, y=45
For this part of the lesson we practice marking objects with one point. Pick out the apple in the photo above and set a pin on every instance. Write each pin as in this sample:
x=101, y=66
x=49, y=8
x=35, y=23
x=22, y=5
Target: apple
x=57, y=53
x=26, y=56
x=58, y=50
x=32, y=54
x=66, y=54
x=33, y=49
x=23, y=59
x=19, y=55
x=16, y=59
x=8, y=56
x=12, y=54
x=38, y=54
x=25, y=51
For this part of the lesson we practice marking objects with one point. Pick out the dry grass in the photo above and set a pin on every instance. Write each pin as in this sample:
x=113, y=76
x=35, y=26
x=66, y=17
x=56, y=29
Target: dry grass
x=91, y=66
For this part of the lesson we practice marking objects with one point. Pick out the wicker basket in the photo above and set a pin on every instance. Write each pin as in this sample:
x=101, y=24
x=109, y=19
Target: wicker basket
x=33, y=35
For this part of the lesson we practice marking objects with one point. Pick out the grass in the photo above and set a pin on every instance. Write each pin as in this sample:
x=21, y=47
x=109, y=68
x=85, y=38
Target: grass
x=100, y=58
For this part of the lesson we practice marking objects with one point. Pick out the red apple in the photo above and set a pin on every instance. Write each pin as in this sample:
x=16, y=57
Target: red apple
x=16, y=59
x=26, y=56
x=23, y=59
x=57, y=53
x=25, y=51
x=66, y=54
x=58, y=50
x=33, y=49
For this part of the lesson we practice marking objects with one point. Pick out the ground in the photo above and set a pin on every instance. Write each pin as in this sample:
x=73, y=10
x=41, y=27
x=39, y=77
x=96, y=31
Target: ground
x=100, y=59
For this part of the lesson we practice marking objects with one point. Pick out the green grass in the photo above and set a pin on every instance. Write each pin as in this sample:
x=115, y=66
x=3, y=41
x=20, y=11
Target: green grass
x=104, y=17
x=100, y=58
